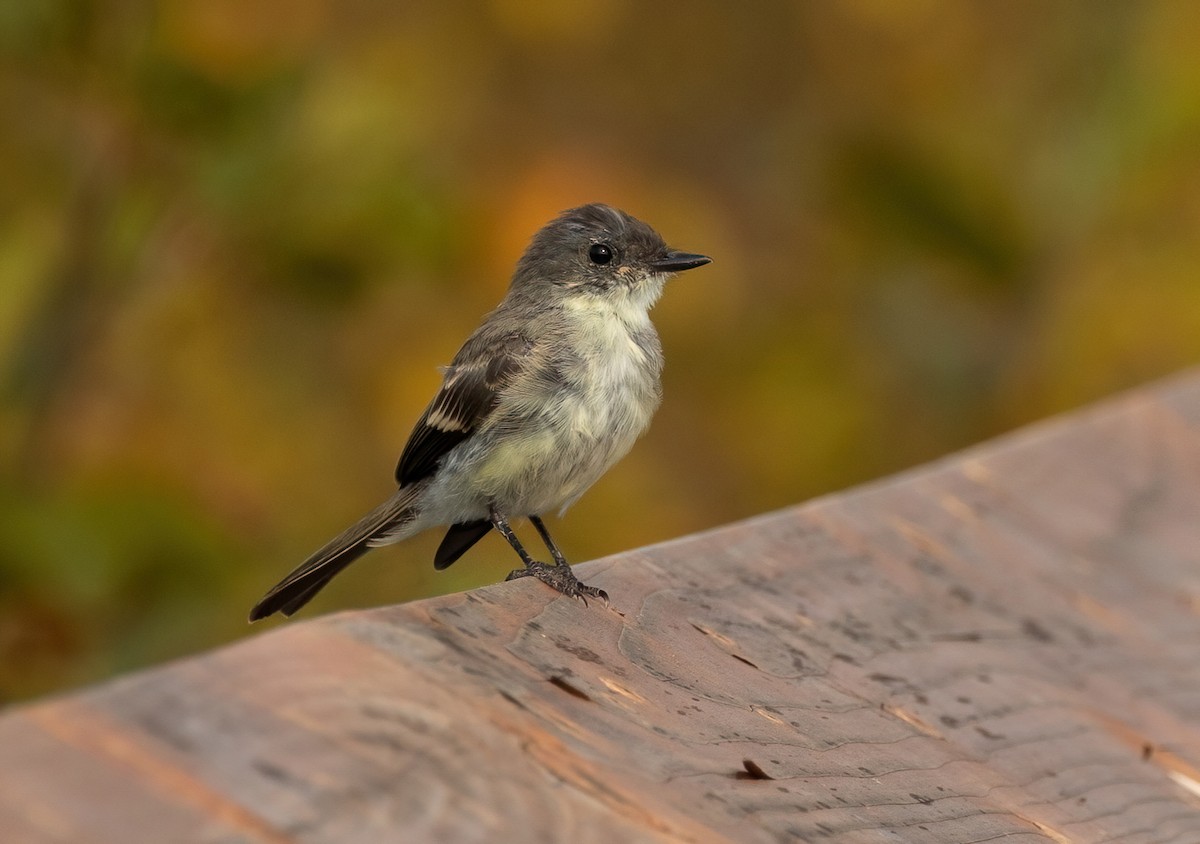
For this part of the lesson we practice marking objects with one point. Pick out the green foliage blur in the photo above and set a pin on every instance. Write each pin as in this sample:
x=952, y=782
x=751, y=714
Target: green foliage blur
x=237, y=237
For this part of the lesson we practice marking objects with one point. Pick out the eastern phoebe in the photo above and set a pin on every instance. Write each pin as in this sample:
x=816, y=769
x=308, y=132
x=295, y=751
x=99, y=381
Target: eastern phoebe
x=548, y=393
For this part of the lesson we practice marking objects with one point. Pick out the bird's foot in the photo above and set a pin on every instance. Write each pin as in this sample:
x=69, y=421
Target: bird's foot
x=562, y=579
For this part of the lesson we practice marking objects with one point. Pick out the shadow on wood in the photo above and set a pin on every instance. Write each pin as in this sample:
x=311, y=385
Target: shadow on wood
x=1001, y=646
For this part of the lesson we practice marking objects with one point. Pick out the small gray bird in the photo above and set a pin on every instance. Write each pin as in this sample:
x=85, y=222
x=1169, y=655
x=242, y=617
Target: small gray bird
x=548, y=393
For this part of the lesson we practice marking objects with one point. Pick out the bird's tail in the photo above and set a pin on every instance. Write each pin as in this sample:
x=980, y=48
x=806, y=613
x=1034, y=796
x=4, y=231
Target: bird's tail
x=387, y=522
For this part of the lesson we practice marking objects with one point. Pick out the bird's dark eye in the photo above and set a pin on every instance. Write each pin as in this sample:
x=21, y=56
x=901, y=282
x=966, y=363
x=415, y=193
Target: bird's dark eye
x=600, y=253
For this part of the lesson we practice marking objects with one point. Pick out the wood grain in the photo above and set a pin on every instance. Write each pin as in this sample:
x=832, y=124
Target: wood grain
x=1004, y=646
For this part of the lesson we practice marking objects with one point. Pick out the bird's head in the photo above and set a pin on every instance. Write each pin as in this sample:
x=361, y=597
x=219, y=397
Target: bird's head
x=599, y=251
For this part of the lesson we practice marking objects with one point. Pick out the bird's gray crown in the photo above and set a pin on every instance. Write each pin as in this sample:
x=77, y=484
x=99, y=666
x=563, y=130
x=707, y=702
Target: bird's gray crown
x=592, y=246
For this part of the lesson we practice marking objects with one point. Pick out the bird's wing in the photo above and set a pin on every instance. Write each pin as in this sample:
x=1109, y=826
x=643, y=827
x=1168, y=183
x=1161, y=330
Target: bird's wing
x=469, y=393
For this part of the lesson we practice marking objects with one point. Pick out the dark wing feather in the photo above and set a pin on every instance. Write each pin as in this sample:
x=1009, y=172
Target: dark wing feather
x=458, y=541
x=469, y=393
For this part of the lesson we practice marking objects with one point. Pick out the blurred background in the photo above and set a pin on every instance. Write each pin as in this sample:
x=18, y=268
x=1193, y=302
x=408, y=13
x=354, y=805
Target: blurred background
x=237, y=237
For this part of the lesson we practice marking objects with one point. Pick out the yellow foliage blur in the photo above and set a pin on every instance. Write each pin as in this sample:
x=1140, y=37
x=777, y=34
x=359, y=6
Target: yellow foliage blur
x=237, y=239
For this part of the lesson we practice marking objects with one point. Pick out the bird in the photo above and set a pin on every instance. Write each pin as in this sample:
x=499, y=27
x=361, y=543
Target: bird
x=551, y=390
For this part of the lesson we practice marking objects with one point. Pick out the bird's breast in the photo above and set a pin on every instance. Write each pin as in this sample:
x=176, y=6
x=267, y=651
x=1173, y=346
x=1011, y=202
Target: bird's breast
x=570, y=417
x=611, y=380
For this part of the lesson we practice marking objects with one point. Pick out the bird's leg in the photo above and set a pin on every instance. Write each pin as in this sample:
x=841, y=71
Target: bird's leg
x=506, y=531
x=559, y=559
x=558, y=576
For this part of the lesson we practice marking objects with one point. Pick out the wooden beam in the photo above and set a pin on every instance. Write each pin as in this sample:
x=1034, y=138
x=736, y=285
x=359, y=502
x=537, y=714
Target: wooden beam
x=1003, y=646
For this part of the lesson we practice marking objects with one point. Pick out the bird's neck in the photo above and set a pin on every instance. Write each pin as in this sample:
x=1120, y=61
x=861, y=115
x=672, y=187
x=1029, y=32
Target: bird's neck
x=630, y=305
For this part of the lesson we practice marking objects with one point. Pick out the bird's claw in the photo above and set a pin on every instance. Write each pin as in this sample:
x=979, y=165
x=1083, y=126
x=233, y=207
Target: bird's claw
x=562, y=579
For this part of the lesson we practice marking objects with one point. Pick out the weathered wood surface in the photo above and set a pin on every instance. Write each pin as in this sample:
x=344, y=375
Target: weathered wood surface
x=1004, y=646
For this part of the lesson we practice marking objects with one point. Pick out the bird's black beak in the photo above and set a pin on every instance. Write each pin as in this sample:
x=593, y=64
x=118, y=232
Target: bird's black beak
x=674, y=262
